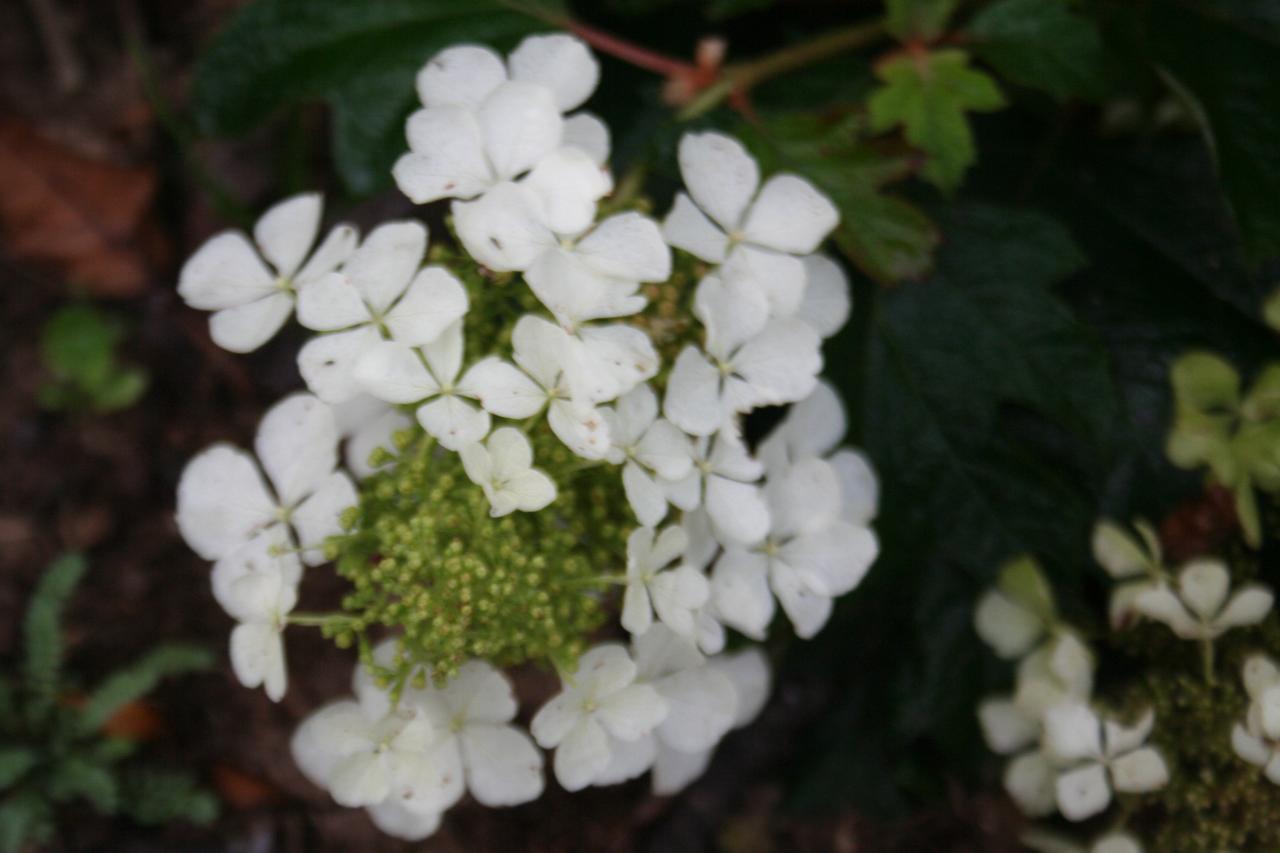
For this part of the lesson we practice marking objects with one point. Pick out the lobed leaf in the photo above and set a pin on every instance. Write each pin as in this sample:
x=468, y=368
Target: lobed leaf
x=139, y=679
x=42, y=631
x=1043, y=44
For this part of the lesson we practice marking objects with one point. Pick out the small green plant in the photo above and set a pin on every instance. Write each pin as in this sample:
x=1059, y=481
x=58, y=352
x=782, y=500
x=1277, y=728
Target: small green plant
x=79, y=352
x=53, y=748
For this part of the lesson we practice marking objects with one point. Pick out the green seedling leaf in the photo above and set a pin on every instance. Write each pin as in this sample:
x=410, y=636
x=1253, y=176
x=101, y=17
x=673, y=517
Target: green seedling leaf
x=139, y=679
x=42, y=632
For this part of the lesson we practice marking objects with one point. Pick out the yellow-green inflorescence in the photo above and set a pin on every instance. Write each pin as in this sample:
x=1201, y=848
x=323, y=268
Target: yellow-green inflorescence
x=426, y=560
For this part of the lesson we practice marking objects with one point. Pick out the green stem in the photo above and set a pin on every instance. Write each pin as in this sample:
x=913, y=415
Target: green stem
x=796, y=56
x=1206, y=660
x=317, y=619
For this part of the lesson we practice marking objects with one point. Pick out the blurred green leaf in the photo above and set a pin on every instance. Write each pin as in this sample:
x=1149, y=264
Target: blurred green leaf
x=360, y=58
x=15, y=761
x=919, y=19
x=1043, y=44
x=887, y=237
x=42, y=631
x=154, y=797
x=1226, y=57
x=139, y=679
x=75, y=777
x=928, y=95
x=25, y=818
x=78, y=345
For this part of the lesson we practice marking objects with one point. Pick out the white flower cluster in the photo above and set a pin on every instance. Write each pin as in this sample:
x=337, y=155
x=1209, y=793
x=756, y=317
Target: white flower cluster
x=788, y=525
x=1257, y=739
x=1069, y=758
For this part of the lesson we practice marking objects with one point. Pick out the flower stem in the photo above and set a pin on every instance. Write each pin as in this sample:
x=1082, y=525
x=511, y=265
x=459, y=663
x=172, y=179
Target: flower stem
x=317, y=619
x=629, y=52
x=1206, y=659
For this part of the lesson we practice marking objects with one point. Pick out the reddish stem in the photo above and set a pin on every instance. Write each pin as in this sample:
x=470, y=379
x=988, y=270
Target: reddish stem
x=659, y=63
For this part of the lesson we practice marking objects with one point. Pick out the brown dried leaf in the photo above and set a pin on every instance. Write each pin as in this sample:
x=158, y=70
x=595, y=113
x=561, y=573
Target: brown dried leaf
x=84, y=218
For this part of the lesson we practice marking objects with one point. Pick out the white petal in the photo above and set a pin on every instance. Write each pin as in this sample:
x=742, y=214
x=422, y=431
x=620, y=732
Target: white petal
x=1203, y=586
x=521, y=125
x=567, y=184
x=446, y=156
x=460, y=76
x=803, y=498
x=1159, y=603
x=740, y=589
x=1249, y=748
x=645, y=496
x=317, y=518
x=386, y=262
x=359, y=780
x=582, y=756
x=686, y=493
x=637, y=609
x=625, y=354
x=673, y=771
x=1009, y=629
x=571, y=291
x=260, y=598
x=676, y=594
x=434, y=301
x=1259, y=673
x=1083, y=793
x=588, y=133
x=1116, y=842
x=502, y=389
x=777, y=277
x=1072, y=732
x=326, y=737
x=632, y=712
x=286, y=231
x=327, y=362
x=627, y=760
x=720, y=175
x=604, y=669
x=223, y=273
x=660, y=652
x=504, y=768
x=331, y=302
x=790, y=215
x=826, y=303
x=1248, y=606
x=1029, y=779
x=666, y=450
x=222, y=501
x=667, y=548
x=510, y=451
x=834, y=560
x=636, y=411
x=396, y=820
x=731, y=313
x=560, y=62
x=693, y=394
x=430, y=776
x=807, y=609
x=257, y=657
x=270, y=552
x=702, y=707
x=748, y=671
x=393, y=372
x=1140, y=771
x=627, y=246
x=737, y=510
x=687, y=227
x=297, y=444
x=338, y=245
x=815, y=425
x=554, y=720
x=859, y=488
x=453, y=421
x=1005, y=727
x=246, y=327
x=480, y=693
x=781, y=363
x=530, y=490
x=731, y=458
x=503, y=229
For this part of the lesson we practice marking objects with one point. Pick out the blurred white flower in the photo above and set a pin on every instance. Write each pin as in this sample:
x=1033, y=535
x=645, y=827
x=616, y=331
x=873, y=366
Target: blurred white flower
x=599, y=702
x=503, y=467
x=224, y=501
x=1098, y=756
x=1257, y=739
x=723, y=481
x=252, y=291
x=1018, y=612
x=1200, y=608
x=652, y=451
x=674, y=594
x=379, y=294
x=757, y=235
x=1134, y=563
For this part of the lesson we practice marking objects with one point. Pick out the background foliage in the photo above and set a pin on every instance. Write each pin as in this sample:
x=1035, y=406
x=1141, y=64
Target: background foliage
x=1043, y=203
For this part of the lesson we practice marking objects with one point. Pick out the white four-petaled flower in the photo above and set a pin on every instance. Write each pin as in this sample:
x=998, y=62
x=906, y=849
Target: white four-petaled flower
x=675, y=594
x=503, y=467
x=1098, y=756
x=1201, y=608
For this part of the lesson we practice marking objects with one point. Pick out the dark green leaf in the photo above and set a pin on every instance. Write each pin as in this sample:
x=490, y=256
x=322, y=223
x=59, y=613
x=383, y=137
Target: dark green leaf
x=1042, y=44
x=77, y=778
x=139, y=679
x=360, y=58
x=154, y=797
x=928, y=95
x=15, y=761
x=42, y=631
x=24, y=819
x=887, y=237
x=919, y=19
x=1227, y=62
